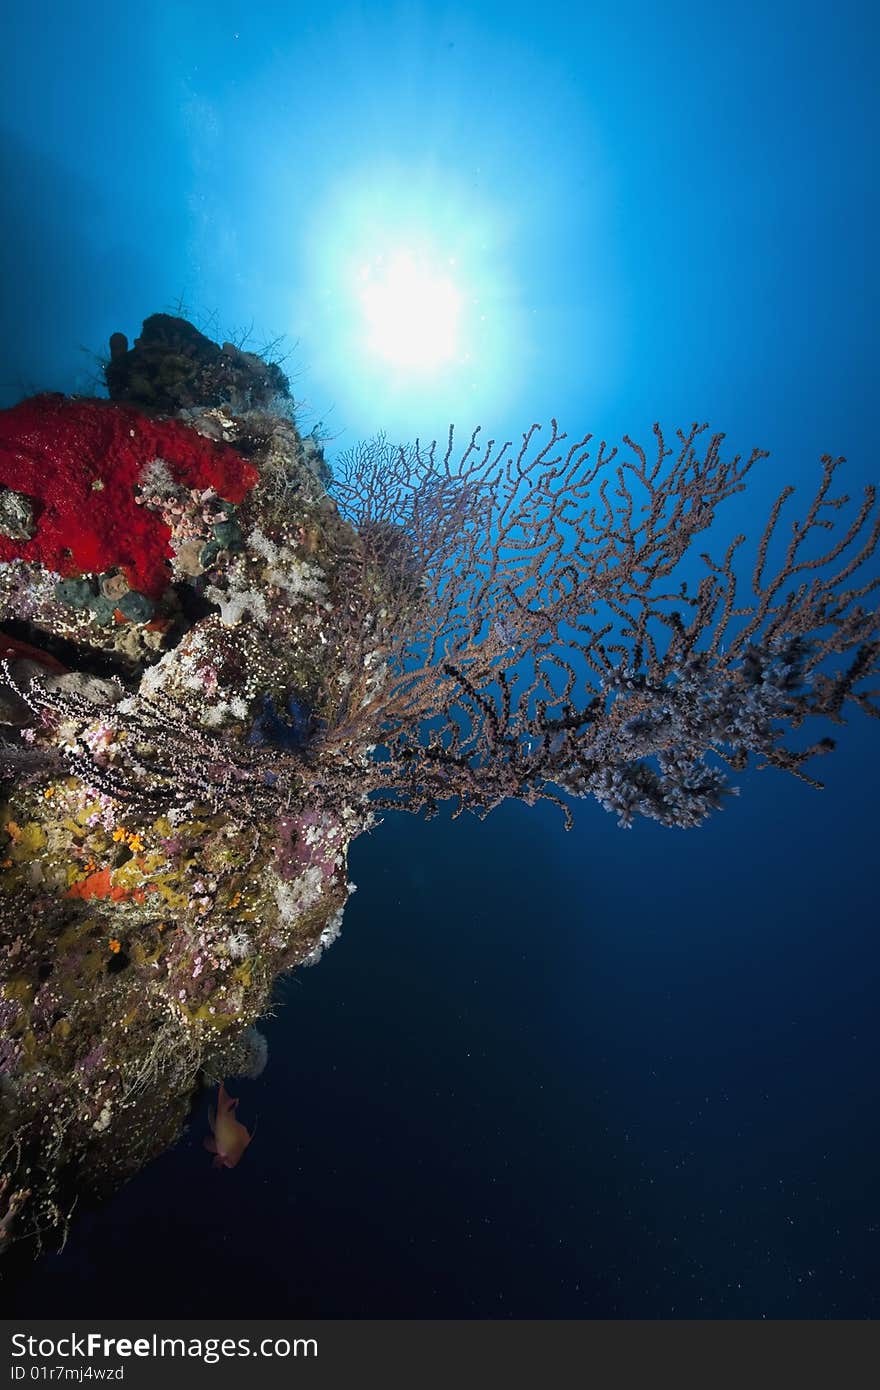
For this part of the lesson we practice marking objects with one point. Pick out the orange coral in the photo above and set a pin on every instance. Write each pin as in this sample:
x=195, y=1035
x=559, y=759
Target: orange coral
x=98, y=885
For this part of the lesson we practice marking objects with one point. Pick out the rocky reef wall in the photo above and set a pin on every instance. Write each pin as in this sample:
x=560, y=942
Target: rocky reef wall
x=171, y=574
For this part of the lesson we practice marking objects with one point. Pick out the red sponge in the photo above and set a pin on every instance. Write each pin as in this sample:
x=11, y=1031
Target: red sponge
x=80, y=460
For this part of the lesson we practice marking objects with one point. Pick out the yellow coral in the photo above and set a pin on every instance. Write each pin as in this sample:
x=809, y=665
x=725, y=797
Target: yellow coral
x=128, y=875
x=30, y=840
x=173, y=897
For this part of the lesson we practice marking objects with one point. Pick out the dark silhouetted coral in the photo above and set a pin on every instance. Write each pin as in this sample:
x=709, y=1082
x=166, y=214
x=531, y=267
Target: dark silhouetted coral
x=174, y=367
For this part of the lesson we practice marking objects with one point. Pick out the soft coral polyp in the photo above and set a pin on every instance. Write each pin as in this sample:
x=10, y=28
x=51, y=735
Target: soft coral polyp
x=80, y=460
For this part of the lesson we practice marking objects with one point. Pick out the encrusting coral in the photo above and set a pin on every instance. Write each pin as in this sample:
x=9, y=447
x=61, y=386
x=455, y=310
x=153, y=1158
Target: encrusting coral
x=218, y=662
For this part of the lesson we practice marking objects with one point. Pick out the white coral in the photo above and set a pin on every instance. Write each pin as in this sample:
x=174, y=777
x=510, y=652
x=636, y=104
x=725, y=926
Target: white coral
x=331, y=933
x=299, y=580
x=296, y=897
x=156, y=479
x=240, y=946
x=236, y=604
x=224, y=711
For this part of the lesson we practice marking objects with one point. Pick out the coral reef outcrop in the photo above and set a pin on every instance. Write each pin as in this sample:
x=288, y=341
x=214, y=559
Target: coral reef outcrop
x=169, y=573
x=218, y=663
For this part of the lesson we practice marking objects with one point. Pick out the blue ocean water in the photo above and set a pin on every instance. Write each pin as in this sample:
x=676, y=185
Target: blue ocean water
x=626, y=1074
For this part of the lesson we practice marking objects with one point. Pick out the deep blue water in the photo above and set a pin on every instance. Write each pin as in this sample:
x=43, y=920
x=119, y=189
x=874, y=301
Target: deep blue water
x=603, y=1074
x=634, y=1076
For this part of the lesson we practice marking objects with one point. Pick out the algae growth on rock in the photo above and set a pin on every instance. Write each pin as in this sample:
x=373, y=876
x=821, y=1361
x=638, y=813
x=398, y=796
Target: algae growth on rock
x=219, y=662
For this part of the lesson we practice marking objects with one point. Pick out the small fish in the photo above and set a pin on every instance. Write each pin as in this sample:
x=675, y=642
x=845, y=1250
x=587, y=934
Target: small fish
x=228, y=1138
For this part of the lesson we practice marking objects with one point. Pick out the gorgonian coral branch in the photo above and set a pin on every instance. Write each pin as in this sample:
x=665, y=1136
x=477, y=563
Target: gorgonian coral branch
x=552, y=645
x=517, y=623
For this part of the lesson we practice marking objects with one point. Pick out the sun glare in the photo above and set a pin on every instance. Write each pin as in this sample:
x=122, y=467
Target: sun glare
x=412, y=310
x=405, y=296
